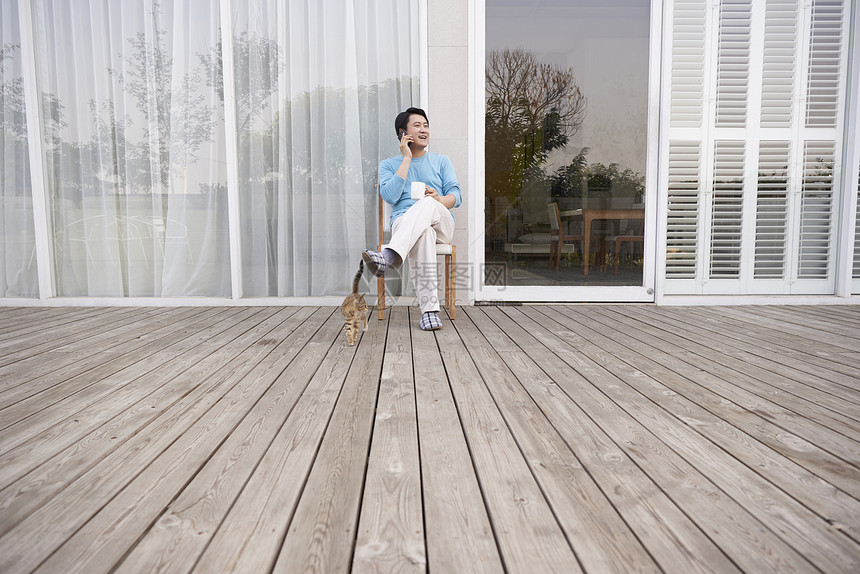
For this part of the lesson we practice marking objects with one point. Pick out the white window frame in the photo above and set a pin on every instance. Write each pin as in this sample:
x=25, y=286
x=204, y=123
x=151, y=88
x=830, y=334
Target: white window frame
x=846, y=285
x=477, y=182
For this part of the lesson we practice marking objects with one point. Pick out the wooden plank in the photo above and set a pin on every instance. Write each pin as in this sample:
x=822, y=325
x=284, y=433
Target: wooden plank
x=458, y=531
x=81, y=412
x=116, y=498
x=390, y=535
x=769, y=422
x=601, y=539
x=601, y=405
x=781, y=335
x=822, y=412
x=28, y=319
x=796, y=525
x=802, y=321
x=771, y=380
x=323, y=529
x=846, y=314
x=13, y=312
x=742, y=348
x=250, y=536
x=529, y=536
x=181, y=532
x=738, y=532
x=776, y=335
x=702, y=410
x=18, y=349
x=786, y=347
x=671, y=537
x=115, y=348
x=133, y=438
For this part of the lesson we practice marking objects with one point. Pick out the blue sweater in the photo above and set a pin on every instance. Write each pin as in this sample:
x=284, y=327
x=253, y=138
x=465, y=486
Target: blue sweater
x=433, y=169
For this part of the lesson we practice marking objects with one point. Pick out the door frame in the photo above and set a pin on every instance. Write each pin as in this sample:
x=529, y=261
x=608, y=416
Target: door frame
x=654, y=216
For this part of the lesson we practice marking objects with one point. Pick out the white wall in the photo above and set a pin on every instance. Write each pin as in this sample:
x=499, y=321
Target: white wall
x=448, y=107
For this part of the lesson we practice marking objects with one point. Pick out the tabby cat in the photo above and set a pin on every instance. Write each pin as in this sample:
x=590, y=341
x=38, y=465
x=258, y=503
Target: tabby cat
x=354, y=309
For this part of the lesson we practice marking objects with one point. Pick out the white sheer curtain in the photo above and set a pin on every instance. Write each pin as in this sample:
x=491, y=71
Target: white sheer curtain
x=318, y=85
x=18, y=276
x=133, y=129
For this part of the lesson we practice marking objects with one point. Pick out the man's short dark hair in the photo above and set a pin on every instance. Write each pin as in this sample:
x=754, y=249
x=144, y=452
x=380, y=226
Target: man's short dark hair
x=402, y=119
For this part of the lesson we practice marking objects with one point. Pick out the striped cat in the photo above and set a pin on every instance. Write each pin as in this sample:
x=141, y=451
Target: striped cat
x=354, y=309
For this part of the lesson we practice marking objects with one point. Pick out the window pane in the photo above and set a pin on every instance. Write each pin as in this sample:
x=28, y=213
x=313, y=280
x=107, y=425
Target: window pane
x=134, y=146
x=318, y=85
x=566, y=124
x=18, y=276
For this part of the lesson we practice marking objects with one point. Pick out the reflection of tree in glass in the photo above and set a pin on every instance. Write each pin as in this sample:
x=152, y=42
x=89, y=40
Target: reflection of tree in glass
x=532, y=108
x=256, y=68
x=599, y=179
x=179, y=123
x=13, y=119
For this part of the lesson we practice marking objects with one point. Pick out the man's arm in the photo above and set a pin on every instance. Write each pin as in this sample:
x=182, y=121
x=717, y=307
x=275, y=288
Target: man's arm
x=390, y=183
x=447, y=200
x=450, y=186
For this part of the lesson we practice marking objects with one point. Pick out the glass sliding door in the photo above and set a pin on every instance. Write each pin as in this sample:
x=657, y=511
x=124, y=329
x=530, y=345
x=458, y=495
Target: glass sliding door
x=134, y=147
x=317, y=89
x=566, y=156
x=17, y=231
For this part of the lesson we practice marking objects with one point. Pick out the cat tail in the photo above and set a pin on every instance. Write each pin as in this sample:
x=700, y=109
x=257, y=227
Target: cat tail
x=355, y=281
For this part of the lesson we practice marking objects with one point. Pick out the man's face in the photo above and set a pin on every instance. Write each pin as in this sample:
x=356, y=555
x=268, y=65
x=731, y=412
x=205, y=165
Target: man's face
x=419, y=129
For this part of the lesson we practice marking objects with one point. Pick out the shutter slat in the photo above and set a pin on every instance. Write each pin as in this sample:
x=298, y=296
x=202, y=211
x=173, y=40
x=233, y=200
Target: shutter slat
x=733, y=63
x=727, y=209
x=683, y=209
x=771, y=210
x=779, y=61
x=688, y=57
x=825, y=51
x=816, y=210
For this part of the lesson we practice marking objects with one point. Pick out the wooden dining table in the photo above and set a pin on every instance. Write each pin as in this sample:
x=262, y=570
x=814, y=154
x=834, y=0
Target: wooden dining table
x=589, y=215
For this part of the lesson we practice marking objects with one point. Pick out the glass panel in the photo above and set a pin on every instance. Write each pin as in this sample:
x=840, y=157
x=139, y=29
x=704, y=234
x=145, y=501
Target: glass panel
x=18, y=275
x=318, y=85
x=566, y=125
x=134, y=143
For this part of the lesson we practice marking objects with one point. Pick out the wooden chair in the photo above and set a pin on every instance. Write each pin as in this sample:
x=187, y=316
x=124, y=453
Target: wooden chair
x=630, y=240
x=449, y=250
x=558, y=238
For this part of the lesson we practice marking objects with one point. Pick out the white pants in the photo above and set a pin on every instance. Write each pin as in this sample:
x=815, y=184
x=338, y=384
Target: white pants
x=414, y=236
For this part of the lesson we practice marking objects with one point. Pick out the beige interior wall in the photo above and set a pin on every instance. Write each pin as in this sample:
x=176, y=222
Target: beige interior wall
x=448, y=63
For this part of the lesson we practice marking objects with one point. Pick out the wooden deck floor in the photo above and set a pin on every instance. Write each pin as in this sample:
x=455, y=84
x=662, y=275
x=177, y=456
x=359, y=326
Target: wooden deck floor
x=536, y=439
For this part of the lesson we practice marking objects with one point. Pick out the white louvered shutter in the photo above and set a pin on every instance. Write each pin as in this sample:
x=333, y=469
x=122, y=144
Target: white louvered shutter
x=771, y=226
x=683, y=209
x=779, y=63
x=733, y=63
x=688, y=41
x=685, y=158
x=727, y=209
x=821, y=135
x=757, y=101
x=825, y=57
x=816, y=210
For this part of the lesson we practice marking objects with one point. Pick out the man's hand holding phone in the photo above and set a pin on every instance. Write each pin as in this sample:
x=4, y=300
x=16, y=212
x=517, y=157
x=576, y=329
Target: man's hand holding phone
x=405, y=140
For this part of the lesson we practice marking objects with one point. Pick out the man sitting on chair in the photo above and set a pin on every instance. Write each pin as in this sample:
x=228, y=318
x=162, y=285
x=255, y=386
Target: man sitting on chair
x=417, y=225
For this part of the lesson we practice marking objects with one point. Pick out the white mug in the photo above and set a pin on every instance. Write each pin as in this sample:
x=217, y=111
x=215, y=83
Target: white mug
x=418, y=188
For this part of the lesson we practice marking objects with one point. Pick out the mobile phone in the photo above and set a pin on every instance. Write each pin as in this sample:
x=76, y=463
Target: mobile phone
x=402, y=133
